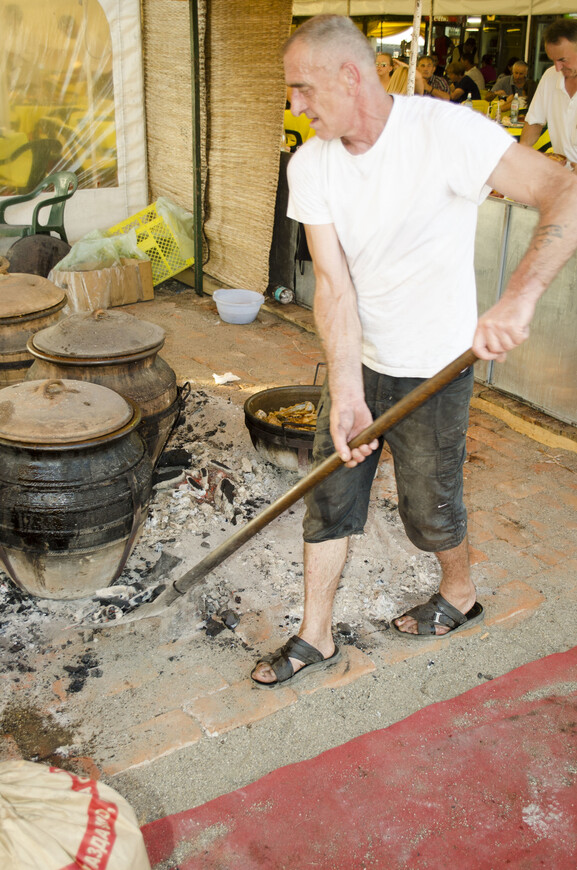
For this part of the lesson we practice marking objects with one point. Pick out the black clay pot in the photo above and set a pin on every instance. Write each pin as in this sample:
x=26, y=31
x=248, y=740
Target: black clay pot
x=72, y=505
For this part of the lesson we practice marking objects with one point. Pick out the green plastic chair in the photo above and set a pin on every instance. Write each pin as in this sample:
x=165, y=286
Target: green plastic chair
x=65, y=185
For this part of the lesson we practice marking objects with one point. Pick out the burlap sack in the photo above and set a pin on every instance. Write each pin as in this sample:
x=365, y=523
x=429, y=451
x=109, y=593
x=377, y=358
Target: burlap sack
x=53, y=820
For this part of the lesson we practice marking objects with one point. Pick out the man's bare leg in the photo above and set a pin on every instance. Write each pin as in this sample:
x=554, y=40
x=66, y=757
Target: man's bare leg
x=323, y=566
x=456, y=586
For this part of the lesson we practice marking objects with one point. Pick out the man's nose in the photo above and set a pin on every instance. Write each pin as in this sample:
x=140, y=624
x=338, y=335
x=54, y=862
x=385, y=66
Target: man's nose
x=558, y=65
x=298, y=103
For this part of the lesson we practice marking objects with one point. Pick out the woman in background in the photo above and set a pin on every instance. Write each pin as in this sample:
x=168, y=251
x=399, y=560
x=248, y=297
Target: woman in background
x=384, y=68
x=398, y=81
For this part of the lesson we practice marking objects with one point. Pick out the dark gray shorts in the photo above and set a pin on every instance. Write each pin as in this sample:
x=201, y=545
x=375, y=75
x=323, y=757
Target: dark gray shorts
x=428, y=449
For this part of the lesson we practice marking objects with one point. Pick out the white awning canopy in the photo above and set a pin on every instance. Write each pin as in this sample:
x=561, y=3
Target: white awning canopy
x=442, y=7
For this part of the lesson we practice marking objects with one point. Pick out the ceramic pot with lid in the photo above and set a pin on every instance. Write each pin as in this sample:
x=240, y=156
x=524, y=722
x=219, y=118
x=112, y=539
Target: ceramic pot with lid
x=76, y=480
x=28, y=303
x=116, y=350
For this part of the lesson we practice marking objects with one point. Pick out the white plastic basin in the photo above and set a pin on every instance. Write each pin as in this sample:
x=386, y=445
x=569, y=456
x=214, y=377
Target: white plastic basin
x=237, y=306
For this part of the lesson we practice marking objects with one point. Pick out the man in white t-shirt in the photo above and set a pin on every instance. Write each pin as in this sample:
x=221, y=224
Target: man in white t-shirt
x=395, y=302
x=555, y=100
x=474, y=73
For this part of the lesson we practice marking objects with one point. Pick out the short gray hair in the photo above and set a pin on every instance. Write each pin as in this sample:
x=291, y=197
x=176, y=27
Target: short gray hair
x=338, y=36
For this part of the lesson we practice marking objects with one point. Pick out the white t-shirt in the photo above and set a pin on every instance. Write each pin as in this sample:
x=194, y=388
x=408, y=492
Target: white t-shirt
x=405, y=213
x=477, y=76
x=553, y=106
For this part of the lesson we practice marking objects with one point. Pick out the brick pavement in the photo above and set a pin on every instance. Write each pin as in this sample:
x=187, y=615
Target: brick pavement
x=160, y=695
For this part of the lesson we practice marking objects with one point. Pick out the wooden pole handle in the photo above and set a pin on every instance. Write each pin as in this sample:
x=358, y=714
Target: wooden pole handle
x=398, y=412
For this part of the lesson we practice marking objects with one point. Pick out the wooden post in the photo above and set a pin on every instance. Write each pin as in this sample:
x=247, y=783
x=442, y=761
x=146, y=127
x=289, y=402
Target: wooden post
x=414, y=48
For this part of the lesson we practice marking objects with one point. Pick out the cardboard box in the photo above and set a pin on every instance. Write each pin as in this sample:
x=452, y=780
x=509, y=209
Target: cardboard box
x=106, y=288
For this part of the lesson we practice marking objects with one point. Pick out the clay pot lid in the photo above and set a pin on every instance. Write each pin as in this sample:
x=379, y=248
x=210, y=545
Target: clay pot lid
x=22, y=294
x=99, y=334
x=60, y=412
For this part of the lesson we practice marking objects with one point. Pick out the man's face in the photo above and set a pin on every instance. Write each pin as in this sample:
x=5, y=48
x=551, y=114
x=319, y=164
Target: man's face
x=318, y=91
x=564, y=56
x=426, y=68
x=519, y=76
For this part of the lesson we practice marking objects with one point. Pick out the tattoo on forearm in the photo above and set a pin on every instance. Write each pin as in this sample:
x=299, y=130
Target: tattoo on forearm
x=545, y=235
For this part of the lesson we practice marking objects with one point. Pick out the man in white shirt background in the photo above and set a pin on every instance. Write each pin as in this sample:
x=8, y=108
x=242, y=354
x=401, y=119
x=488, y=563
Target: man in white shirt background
x=555, y=100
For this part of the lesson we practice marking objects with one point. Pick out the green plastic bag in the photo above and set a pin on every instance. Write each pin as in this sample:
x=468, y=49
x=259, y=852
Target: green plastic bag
x=181, y=224
x=98, y=251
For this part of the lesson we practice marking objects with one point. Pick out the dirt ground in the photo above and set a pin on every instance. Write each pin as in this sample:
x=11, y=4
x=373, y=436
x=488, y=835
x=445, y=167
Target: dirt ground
x=76, y=694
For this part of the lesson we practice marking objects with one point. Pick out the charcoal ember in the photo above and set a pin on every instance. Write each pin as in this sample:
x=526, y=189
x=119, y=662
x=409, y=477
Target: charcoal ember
x=176, y=457
x=195, y=484
x=213, y=628
x=230, y=618
x=113, y=594
x=228, y=489
x=76, y=685
x=76, y=670
x=147, y=595
x=220, y=464
x=165, y=478
x=117, y=602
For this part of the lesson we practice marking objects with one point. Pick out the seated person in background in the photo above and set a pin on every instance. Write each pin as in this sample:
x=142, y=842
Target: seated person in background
x=508, y=69
x=472, y=71
x=467, y=47
x=384, y=63
x=439, y=70
x=516, y=83
x=488, y=71
x=433, y=85
x=461, y=85
x=398, y=81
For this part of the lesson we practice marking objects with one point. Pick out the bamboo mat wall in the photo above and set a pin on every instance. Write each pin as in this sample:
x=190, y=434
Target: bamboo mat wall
x=167, y=83
x=243, y=96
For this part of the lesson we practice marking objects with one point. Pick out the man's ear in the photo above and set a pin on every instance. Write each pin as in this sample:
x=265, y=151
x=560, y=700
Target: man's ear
x=351, y=76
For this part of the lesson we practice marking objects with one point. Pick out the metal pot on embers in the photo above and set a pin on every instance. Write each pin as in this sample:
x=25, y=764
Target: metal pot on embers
x=76, y=480
x=283, y=446
x=119, y=351
x=28, y=303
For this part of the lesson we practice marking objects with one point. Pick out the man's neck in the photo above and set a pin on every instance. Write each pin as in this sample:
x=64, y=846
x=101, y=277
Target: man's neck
x=571, y=86
x=372, y=124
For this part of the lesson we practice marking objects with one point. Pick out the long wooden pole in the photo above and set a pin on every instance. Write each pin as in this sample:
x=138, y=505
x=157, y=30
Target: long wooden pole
x=414, y=47
x=394, y=415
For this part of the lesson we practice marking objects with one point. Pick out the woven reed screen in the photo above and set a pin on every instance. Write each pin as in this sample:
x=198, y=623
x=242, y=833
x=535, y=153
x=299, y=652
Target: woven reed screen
x=241, y=118
x=246, y=102
x=168, y=97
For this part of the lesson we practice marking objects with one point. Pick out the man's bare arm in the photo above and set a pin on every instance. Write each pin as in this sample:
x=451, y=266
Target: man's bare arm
x=338, y=324
x=530, y=178
x=530, y=134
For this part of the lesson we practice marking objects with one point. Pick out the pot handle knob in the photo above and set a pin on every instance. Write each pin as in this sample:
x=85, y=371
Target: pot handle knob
x=99, y=313
x=53, y=388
